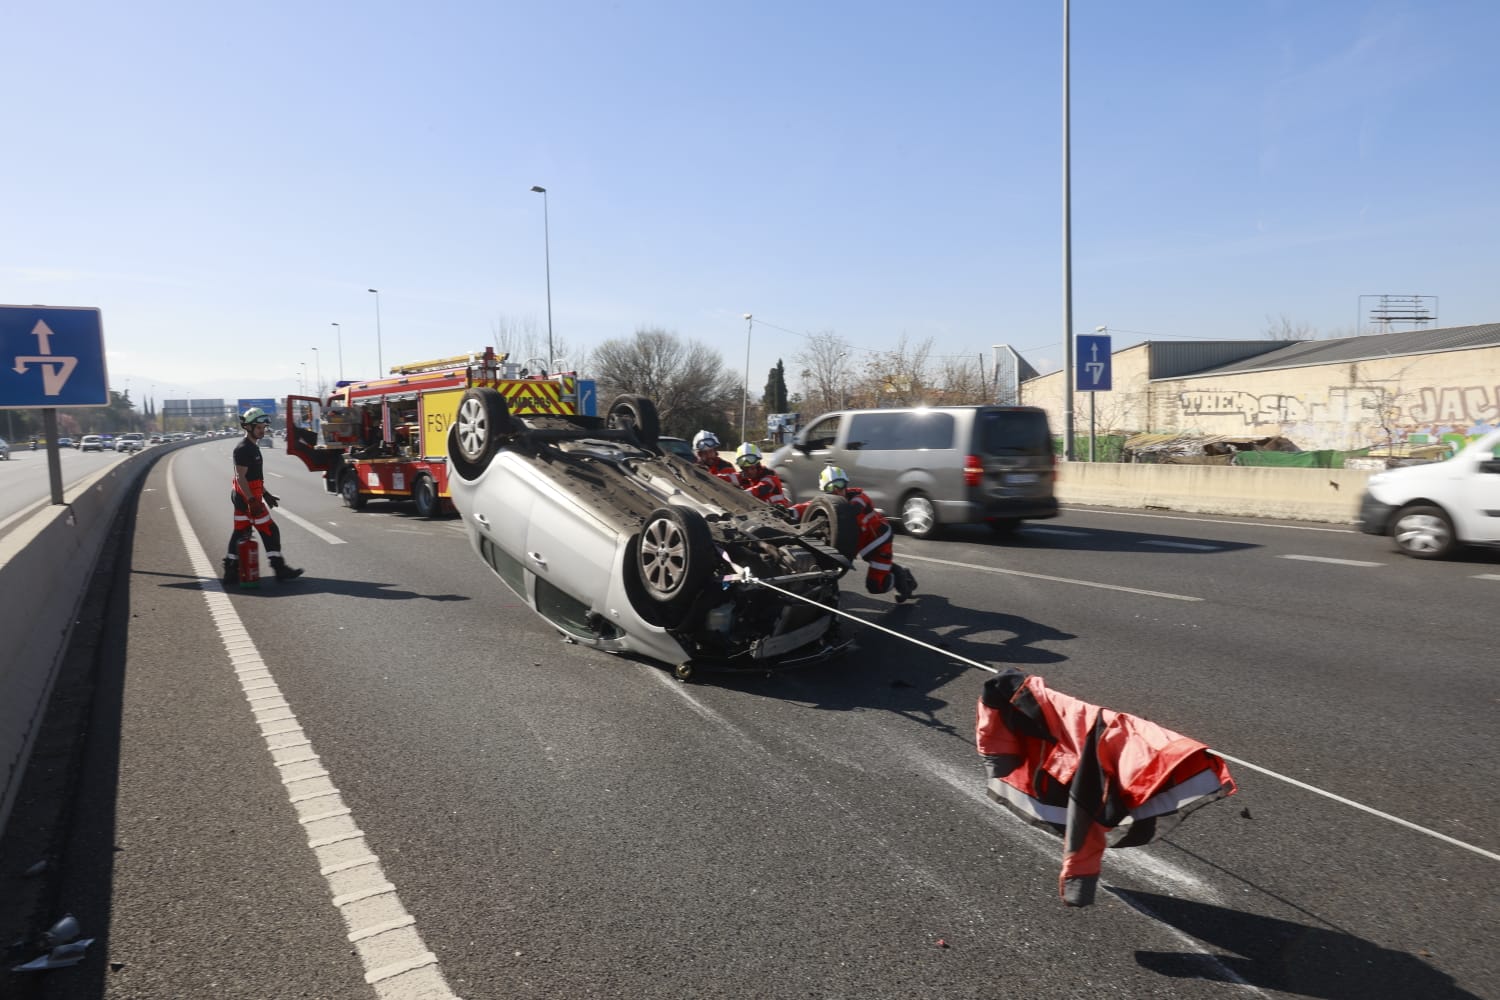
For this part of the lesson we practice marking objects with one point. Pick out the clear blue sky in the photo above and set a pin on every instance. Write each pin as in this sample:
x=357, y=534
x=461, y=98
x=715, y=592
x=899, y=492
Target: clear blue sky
x=225, y=182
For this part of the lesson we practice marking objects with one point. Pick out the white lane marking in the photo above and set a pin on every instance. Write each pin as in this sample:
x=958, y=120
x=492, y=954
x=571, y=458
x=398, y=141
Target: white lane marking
x=309, y=526
x=1363, y=808
x=1035, y=530
x=1050, y=579
x=1335, y=562
x=1190, y=546
x=1211, y=520
x=396, y=961
x=1488, y=576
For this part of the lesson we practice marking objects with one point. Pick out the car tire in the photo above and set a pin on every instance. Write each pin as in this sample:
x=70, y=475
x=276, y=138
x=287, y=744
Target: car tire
x=832, y=520
x=637, y=413
x=674, y=561
x=424, y=495
x=483, y=421
x=349, y=490
x=919, y=516
x=1423, y=531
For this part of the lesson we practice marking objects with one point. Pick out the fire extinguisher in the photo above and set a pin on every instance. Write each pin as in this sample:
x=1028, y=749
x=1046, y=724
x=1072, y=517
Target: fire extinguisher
x=249, y=560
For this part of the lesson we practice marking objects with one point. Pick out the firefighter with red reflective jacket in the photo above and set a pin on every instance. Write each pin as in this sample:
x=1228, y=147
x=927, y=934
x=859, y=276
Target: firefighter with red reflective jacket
x=252, y=501
x=759, y=481
x=874, y=543
x=706, y=447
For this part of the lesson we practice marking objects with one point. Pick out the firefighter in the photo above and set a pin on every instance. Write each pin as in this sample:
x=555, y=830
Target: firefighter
x=874, y=536
x=706, y=447
x=759, y=481
x=252, y=500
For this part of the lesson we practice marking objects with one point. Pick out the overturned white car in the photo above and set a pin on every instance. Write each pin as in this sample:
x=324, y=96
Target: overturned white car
x=630, y=549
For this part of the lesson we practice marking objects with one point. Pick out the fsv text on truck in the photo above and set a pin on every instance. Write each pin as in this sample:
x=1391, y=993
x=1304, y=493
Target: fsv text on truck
x=387, y=438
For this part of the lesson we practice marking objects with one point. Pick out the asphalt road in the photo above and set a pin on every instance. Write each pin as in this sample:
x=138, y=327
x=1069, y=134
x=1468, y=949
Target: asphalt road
x=561, y=823
x=25, y=484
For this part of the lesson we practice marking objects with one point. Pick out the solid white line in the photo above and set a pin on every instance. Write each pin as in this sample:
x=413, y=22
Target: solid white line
x=1363, y=808
x=243, y=660
x=1050, y=579
x=1335, y=562
x=1488, y=576
x=308, y=526
x=1210, y=520
x=1191, y=546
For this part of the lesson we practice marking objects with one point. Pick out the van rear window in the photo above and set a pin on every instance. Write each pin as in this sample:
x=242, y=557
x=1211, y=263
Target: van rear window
x=1014, y=432
x=901, y=431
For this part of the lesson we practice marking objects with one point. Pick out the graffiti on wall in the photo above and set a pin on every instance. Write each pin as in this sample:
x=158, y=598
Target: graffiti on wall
x=1353, y=416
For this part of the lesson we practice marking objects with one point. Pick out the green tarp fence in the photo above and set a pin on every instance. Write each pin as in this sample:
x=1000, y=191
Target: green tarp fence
x=1328, y=459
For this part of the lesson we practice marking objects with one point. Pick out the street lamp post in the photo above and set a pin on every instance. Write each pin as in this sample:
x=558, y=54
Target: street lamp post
x=745, y=400
x=302, y=379
x=318, y=367
x=379, y=357
x=839, y=361
x=339, y=332
x=547, y=251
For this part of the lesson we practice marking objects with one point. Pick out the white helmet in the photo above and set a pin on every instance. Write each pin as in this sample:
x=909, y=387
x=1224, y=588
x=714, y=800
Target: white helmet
x=704, y=440
x=747, y=454
x=832, y=479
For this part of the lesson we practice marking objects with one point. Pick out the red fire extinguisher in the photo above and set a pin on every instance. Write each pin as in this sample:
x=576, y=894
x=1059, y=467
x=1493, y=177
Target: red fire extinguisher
x=249, y=560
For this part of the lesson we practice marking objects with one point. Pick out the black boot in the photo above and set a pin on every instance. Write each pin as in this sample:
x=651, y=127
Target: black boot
x=231, y=571
x=282, y=570
x=906, y=583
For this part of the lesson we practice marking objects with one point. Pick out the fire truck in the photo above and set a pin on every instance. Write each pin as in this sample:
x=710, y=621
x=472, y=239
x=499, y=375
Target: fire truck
x=388, y=438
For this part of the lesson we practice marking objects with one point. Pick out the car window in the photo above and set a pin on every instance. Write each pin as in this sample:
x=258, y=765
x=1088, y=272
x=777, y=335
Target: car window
x=1022, y=432
x=823, y=433
x=901, y=430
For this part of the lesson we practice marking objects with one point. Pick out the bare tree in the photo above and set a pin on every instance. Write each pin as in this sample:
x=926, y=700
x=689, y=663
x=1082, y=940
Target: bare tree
x=685, y=379
x=1285, y=329
x=897, y=377
x=825, y=372
x=524, y=343
x=963, y=382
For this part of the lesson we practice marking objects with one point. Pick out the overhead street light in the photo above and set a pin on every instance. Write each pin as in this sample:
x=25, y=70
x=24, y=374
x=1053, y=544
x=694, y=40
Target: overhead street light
x=547, y=250
x=318, y=367
x=745, y=400
x=379, y=357
x=339, y=331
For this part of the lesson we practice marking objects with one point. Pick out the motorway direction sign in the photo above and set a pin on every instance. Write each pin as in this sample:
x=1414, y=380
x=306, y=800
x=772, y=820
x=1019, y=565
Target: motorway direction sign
x=269, y=405
x=52, y=356
x=1092, y=367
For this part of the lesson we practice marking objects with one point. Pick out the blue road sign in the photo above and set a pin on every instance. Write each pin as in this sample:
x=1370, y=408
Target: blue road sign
x=52, y=356
x=1092, y=363
x=269, y=405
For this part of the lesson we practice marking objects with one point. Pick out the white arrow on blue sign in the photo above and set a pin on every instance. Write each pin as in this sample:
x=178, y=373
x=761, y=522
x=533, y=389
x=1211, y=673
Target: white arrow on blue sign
x=52, y=356
x=1093, y=367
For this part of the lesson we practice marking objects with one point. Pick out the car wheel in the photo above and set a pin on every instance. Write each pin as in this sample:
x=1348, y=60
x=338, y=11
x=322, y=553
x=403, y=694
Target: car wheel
x=424, y=495
x=918, y=516
x=349, y=490
x=674, y=560
x=831, y=519
x=1423, y=532
x=483, y=421
x=636, y=413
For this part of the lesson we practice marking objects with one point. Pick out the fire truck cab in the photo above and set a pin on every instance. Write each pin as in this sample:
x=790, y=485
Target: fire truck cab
x=388, y=438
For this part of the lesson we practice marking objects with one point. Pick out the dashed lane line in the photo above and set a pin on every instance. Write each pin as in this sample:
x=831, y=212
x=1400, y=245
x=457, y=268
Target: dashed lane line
x=1327, y=559
x=397, y=963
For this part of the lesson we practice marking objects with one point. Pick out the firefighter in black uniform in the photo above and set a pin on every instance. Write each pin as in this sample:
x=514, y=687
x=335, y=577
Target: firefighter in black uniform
x=251, y=500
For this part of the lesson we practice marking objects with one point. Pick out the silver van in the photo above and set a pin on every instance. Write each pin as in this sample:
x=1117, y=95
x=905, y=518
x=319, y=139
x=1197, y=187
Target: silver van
x=934, y=465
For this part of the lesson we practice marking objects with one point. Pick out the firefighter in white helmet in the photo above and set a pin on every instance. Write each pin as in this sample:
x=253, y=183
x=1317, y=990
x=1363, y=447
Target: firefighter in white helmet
x=252, y=501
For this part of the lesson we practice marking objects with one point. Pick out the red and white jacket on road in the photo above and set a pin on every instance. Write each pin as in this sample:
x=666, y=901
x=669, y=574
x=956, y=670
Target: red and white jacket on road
x=1084, y=771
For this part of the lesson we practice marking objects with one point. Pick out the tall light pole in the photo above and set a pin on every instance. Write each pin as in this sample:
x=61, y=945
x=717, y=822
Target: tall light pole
x=379, y=357
x=547, y=250
x=302, y=380
x=1067, y=254
x=318, y=367
x=839, y=362
x=339, y=332
x=745, y=401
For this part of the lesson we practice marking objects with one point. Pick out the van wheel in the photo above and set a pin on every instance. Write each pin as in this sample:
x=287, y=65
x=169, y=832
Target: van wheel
x=1423, y=532
x=349, y=490
x=424, y=495
x=919, y=516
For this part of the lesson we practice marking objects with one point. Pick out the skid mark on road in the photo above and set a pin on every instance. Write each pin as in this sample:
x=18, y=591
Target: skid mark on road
x=396, y=961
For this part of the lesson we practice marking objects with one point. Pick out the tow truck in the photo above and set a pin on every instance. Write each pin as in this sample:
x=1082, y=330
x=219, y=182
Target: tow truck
x=387, y=438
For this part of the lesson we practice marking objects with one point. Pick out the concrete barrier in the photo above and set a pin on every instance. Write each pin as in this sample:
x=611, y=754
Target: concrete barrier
x=1330, y=495
x=46, y=562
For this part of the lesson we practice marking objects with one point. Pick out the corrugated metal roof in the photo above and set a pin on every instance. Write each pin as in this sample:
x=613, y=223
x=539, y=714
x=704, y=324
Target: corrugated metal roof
x=1306, y=353
x=1172, y=360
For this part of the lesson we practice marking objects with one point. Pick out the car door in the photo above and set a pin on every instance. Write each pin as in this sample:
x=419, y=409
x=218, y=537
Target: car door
x=1481, y=493
x=816, y=446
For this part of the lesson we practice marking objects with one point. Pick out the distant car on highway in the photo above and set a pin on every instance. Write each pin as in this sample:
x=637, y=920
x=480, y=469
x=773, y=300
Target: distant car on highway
x=1431, y=509
x=133, y=441
x=678, y=446
x=66, y=442
x=4, y=450
x=91, y=442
